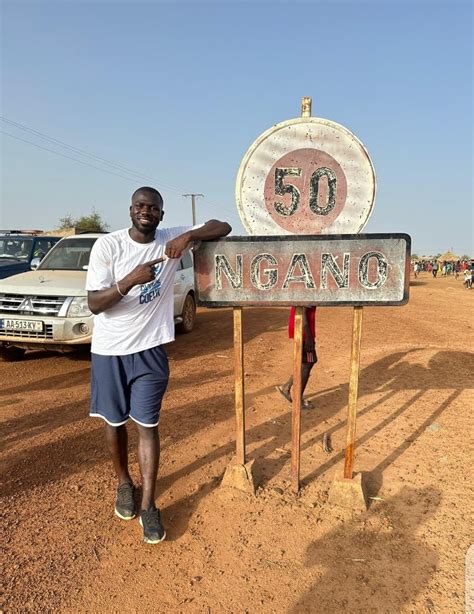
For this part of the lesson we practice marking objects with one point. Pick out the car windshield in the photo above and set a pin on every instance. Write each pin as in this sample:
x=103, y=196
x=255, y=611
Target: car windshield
x=15, y=248
x=69, y=255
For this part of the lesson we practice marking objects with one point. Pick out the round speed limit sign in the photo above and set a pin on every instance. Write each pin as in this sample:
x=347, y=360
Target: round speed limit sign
x=305, y=176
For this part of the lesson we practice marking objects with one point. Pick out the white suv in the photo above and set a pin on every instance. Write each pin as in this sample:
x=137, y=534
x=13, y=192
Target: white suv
x=47, y=308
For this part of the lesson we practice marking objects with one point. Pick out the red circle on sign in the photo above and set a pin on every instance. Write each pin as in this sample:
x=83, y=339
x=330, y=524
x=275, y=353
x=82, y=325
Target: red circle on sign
x=305, y=191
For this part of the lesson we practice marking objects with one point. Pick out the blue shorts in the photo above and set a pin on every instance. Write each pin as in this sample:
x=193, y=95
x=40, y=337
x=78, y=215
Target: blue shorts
x=130, y=386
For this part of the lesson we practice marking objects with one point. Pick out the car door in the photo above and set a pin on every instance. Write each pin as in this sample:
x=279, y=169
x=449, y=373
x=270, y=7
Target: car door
x=179, y=288
x=188, y=271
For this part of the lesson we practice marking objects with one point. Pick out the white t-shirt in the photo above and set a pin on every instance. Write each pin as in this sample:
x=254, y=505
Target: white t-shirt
x=143, y=318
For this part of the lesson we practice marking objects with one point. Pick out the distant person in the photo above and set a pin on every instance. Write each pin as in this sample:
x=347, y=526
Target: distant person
x=310, y=357
x=457, y=269
x=435, y=268
x=416, y=269
x=467, y=278
x=130, y=289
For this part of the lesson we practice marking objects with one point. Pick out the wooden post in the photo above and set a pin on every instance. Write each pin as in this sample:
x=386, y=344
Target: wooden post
x=353, y=390
x=239, y=386
x=306, y=104
x=239, y=473
x=296, y=398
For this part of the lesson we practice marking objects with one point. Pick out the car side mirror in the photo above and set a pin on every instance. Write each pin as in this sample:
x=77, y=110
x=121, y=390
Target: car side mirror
x=34, y=263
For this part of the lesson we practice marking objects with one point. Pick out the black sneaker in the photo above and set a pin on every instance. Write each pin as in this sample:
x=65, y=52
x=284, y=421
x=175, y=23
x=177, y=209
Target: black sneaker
x=125, y=507
x=153, y=530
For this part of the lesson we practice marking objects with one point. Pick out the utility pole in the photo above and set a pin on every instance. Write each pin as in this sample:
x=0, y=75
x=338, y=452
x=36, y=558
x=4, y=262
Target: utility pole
x=193, y=203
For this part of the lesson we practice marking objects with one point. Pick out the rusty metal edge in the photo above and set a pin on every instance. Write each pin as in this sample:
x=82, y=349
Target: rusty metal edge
x=354, y=237
x=261, y=238
x=201, y=303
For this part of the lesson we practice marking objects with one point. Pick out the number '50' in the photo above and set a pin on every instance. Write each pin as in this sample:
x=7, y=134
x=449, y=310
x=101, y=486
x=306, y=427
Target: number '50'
x=288, y=188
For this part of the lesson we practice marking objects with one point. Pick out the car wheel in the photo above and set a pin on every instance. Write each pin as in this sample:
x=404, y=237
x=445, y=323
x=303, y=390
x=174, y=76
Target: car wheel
x=11, y=353
x=188, y=315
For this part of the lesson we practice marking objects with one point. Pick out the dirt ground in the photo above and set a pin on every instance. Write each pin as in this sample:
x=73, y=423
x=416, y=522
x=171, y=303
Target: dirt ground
x=65, y=551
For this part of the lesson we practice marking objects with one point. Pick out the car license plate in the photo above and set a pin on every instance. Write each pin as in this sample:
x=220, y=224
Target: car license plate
x=33, y=325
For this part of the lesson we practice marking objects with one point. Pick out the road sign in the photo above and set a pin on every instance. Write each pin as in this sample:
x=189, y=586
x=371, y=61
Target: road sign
x=305, y=176
x=304, y=270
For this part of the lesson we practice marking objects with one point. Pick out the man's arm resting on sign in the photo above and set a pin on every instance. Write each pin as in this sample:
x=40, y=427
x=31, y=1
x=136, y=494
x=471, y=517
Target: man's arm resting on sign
x=213, y=229
x=101, y=300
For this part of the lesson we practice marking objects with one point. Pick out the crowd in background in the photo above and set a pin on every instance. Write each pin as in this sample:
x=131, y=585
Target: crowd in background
x=446, y=268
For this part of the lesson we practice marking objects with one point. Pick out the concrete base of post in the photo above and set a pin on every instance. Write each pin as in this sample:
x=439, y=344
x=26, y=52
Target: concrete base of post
x=349, y=493
x=240, y=477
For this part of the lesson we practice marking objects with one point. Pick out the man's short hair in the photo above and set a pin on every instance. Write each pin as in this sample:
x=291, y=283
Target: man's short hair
x=150, y=190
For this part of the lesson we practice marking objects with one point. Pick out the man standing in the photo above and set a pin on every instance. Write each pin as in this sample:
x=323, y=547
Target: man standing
x=310, y=357
x=130, y=289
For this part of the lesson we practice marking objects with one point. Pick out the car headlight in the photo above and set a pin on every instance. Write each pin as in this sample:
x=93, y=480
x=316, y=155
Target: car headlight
x=78, y=308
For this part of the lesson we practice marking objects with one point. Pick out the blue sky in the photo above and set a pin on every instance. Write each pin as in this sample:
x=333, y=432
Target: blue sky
x=177, y=91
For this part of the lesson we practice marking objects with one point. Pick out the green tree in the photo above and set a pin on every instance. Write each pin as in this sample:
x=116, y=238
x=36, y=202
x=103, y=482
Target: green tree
x=85, y=223
x=66, y=222
x=465, y=257
x=414, y=256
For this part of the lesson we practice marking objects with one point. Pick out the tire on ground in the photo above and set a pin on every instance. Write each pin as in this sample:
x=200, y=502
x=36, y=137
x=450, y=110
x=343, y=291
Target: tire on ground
x=188, y=315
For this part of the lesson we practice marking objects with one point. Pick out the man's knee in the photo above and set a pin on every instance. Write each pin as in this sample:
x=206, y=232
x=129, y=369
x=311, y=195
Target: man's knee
x=147, y=432
x=115, y=430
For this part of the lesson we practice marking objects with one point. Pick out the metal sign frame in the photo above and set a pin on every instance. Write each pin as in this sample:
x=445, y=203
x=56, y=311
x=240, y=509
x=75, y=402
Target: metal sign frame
x=202, y=264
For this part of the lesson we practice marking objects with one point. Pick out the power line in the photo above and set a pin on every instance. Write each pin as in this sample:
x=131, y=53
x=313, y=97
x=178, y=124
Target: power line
x=116, y=166
x=220, y=207
x=65, y=156
x=87, y=154
x=206, y=203
x=193, y=204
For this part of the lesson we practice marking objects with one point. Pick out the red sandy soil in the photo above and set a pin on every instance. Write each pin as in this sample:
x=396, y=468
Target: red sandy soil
x=65, y=551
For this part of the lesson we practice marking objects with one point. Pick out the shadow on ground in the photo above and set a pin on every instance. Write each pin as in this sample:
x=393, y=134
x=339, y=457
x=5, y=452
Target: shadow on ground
x=377, y=558
x=75, y=453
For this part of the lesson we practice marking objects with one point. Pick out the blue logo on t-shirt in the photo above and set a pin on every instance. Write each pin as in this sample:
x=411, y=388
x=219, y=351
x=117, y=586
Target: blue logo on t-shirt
x=149, y=291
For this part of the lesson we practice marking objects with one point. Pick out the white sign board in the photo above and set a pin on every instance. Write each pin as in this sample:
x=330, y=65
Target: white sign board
x=305, y=176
